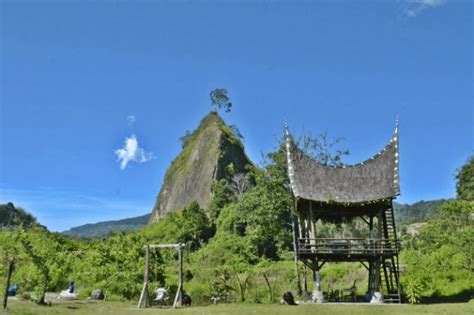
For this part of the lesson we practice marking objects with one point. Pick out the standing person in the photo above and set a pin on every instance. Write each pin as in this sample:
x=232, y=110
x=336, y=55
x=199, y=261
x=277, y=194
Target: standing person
x=71, y=287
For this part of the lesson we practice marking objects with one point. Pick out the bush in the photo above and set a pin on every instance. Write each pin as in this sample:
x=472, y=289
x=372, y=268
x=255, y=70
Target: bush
x=413, y=290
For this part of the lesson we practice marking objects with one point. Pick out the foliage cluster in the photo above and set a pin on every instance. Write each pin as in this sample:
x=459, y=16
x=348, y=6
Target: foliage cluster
x=227, y=246
x=13, y=216
x=108, y=228
x=237, y=250
x=440, y=259
x=418, y=212
x=465, y=181
x=220, y=100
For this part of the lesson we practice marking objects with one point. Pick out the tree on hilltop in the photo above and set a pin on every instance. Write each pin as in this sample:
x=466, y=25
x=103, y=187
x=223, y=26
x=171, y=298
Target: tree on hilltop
x=220, y=100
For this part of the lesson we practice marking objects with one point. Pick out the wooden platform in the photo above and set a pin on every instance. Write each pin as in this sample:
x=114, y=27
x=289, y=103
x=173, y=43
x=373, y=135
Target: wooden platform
x=350, y=249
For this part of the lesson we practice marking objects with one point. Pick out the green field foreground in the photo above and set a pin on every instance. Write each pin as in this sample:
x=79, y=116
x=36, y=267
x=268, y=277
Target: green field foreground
x=118, y=308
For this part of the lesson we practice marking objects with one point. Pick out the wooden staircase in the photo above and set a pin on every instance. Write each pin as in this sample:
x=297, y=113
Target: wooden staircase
x=389, y=222
x=390, y=280
x=390, y=276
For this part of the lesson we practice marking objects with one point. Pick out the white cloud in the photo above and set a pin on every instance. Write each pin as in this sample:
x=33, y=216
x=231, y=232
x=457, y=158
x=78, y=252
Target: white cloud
x=131, y=152
x=412, y=8
x=131, y=119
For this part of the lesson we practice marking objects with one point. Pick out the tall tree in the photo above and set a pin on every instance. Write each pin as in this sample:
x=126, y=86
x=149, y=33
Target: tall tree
x=220, y=100
x=323, y=148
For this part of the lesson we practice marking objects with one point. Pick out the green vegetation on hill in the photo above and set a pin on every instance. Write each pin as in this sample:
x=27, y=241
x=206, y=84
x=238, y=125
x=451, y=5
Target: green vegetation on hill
x=440, y=259
x=404, y=213
x=238, y=249
x=419, y=211
x=11, y=216
x=243, y=253
x=107, y=228
x=465, y=180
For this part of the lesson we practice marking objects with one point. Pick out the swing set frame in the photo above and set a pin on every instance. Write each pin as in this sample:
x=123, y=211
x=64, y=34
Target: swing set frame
x=144, y=301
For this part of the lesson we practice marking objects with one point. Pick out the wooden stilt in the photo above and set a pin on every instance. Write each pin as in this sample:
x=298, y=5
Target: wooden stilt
x=315, y=276
x=305, y=281
x=295, y=256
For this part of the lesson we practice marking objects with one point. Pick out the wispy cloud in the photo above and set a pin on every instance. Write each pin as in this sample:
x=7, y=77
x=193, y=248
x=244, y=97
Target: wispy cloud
x=131, y=119
x=131, y=152
x=413, y=8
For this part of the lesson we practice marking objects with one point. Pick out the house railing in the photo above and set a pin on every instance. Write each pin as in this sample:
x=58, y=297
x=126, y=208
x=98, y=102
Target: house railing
x=348, y=246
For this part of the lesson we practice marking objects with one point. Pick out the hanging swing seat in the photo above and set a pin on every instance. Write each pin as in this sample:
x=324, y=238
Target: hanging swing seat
x=161, y=296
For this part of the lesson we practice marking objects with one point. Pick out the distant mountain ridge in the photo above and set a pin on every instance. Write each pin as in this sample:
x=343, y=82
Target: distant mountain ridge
x=404, y=213
x=419, y=211
x=106, y=228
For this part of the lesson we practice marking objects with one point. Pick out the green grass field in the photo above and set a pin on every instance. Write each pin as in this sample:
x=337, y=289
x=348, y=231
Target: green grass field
x=118, y=308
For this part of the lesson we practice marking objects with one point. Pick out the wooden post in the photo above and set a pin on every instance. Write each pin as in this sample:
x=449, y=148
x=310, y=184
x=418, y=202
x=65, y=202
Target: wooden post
x=377, y=262
x=379, y=224
x=11, y=264
x=370, y=284
x=178, y=299
x=181, y=288
x=374, y=275
x=315, y=277
x=307, y=232
x=312, y=224
x=371, y=226
x=144, y=301
x=317, y=295
x=147, y=264
x=295, y=256
x=377, y=278
x=305, y=281
x=300, y=226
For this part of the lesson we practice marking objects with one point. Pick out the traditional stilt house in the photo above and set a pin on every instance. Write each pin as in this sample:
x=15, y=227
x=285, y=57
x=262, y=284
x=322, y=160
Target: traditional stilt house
x=343, y=193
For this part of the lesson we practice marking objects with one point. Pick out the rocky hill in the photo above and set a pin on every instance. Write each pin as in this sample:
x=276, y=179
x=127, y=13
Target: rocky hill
x=207, y=153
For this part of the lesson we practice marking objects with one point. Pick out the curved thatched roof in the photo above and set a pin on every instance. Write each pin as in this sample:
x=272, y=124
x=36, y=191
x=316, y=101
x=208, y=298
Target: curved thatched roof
x=374, y=179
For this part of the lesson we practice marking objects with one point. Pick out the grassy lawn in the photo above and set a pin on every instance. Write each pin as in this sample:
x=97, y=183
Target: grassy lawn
x=118, y=308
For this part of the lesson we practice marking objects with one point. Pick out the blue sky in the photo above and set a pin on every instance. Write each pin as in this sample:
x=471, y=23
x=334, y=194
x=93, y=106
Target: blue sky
x=73, y=72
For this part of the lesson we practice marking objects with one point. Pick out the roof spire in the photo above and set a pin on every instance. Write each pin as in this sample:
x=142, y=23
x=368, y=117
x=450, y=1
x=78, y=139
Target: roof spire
x=396, y=125
x=395, y=133
x=396, y=170
x=289, y=159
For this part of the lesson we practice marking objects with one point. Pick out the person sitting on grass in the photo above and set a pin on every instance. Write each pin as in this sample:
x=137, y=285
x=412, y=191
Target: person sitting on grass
x=186, y=299
x=288, y=299
x=68, y=294
x=12, y=290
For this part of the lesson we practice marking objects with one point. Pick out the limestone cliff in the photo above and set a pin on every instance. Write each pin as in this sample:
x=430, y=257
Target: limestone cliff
x=205, y=157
